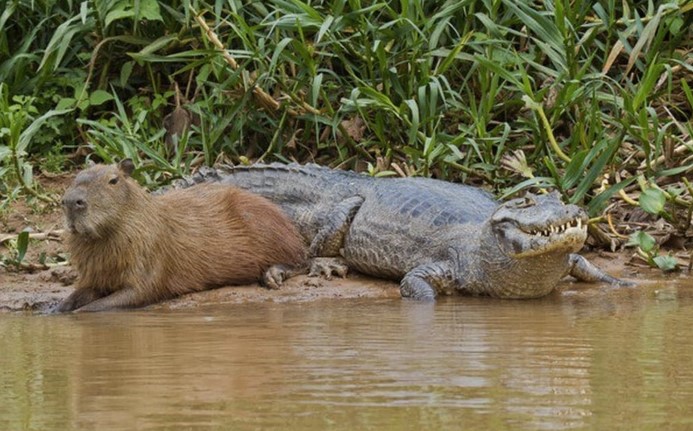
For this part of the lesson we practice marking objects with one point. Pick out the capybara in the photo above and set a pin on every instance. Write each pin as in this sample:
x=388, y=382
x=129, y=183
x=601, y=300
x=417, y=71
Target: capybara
x=131, y=248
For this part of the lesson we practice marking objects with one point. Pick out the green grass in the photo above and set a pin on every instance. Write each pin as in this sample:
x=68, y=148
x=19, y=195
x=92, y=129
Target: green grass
x=591, y=98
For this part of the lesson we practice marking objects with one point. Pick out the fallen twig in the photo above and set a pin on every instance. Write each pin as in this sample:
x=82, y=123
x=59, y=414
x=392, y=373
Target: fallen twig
x=52, y=235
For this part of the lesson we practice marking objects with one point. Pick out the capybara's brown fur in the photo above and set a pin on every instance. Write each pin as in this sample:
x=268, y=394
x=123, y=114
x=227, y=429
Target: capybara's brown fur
x=131, y=248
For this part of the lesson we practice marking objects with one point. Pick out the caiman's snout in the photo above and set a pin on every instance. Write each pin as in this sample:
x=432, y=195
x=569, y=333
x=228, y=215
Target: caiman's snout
x=537, y=225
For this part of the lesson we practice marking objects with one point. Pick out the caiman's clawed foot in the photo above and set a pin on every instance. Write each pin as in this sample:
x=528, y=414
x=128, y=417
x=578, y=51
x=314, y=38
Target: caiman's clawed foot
x=327, y=267
x=583, y=270
x=423, y=282
x=413, y=287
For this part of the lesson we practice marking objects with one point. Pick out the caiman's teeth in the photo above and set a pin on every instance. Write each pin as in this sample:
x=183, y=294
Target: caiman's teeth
x=558, y=229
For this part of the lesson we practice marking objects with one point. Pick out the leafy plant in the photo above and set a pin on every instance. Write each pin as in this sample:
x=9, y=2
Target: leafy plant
x=18, y=248
x=594, y=95
x=17, y=127
x=136, y=138
x=647, y=249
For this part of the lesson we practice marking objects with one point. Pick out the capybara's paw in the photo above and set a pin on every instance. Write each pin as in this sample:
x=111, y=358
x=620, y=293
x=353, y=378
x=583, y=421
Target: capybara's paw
x=65, y=306
x=327, y=267
x=274, y=277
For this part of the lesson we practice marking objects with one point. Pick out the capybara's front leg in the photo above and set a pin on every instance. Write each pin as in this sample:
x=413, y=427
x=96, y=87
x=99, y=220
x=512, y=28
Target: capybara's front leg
x=79, y=298
x=278, y=274
x=127, y=297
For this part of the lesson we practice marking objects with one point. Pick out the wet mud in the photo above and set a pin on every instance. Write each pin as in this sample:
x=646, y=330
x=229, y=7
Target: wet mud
x=42, y=290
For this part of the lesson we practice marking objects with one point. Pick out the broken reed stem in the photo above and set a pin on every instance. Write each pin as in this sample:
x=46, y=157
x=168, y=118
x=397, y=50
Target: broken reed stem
x=613, y=228
x=627, y=198
x=262, y=97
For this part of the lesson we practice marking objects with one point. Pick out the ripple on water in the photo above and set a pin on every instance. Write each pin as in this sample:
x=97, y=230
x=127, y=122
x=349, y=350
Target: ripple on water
x=564, y=362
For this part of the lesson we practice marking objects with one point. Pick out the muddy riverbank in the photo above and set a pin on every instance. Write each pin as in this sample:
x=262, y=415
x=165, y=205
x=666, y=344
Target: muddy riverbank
x=43, y=279
x=41, y=290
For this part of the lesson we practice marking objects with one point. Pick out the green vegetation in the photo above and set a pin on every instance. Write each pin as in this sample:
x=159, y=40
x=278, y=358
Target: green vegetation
x=18, y=248
x=591, y=98
x=647, y=248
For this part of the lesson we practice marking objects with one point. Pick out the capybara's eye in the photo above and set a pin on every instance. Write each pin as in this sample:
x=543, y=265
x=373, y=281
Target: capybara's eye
x=113, y=181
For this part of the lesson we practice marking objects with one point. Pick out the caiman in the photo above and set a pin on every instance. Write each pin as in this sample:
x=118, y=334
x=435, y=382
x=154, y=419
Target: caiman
x=435, y=237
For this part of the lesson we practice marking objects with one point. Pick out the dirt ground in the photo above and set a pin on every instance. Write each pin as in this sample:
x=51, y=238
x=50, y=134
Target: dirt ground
x=44, y=279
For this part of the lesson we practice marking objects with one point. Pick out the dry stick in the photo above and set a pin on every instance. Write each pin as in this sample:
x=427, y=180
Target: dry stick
x=627, y=198
x=265, y=99
x=50, y=235
x=549, y=133
x=613, y=228
x=624, y=196
x=25, y=186
x=262, y=97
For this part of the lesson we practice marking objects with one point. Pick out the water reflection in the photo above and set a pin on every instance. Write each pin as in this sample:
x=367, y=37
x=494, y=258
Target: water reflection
x=587, y=360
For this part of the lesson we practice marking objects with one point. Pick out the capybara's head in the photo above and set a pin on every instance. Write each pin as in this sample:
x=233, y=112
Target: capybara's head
x=98, y=197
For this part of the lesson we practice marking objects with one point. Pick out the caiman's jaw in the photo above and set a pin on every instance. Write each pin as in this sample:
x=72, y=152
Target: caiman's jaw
x=538, y=225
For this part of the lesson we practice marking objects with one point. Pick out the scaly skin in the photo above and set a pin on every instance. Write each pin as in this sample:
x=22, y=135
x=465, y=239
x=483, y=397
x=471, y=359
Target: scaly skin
x=434, y=236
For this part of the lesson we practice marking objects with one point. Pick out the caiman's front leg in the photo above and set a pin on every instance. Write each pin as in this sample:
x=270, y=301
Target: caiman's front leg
x=328, y=266
x=424, y=282
x=330, y=238
x=583, y=270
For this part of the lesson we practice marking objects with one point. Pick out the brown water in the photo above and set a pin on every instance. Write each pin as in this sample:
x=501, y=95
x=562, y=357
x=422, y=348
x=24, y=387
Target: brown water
x=592, y=360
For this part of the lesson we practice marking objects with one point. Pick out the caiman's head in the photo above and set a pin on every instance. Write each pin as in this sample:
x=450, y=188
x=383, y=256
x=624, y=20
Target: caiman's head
x=538, y=225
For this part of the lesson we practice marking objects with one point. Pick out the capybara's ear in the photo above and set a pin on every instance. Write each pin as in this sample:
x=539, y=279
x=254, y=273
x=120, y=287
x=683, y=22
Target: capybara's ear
x=126, y=166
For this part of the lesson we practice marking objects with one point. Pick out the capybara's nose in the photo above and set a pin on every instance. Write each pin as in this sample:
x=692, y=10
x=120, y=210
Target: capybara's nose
x=74, y=203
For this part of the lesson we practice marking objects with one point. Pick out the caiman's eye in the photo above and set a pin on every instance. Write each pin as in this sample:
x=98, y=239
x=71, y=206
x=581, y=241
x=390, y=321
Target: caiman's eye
x=113, y=180
x=528, y=201
x=525, y=202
